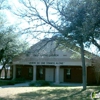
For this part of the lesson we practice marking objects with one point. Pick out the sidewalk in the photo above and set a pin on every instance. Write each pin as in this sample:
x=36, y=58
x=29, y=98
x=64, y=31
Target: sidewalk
x=68, y=84
x=26, y=84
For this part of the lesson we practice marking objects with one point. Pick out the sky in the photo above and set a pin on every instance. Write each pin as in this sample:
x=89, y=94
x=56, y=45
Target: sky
x=24, y=24
x=14, y=19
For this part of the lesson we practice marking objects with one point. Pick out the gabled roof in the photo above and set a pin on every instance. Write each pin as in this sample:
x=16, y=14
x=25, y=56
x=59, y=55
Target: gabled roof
x=47, y=51
x=42, y=45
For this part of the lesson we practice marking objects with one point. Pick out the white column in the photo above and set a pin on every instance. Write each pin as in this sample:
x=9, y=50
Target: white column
x=57, y=74
x=14, y=72
x=34, y=73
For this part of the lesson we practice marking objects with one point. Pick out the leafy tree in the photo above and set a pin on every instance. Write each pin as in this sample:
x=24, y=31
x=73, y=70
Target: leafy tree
x=12, y=47
x=67, y=21
x=58, y=15
x=11, y=44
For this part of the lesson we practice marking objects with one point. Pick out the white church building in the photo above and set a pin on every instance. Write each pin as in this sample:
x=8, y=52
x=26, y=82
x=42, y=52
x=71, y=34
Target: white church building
x=45, y=62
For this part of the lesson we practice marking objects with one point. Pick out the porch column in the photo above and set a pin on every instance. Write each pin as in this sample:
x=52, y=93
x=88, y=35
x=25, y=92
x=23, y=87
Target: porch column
x=34, y=73
x=14, y=72
x=57, y=74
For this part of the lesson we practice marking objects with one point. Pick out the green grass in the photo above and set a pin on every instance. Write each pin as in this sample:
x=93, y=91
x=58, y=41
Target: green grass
x=11, y=82
x=55, y=93
x=6, y=82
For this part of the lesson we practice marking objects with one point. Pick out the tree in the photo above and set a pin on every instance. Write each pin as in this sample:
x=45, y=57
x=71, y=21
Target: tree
x=11, y=44
x=2, y=3
x=79, y=15
x=58, y=15
x=65, y=20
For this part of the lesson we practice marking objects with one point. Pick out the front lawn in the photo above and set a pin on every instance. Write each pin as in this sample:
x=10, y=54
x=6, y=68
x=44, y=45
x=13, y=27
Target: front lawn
x=47, y=93
x=11, y=82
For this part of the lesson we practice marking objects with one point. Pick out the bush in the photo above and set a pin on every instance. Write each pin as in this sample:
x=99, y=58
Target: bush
x=2, y=83
x=6, y=82
x=19, y=80
x=11, y=82
x=39, y=83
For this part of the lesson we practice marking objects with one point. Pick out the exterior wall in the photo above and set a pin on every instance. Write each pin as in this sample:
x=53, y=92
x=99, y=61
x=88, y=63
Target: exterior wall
x=91, y=78
x=24, y=71
x=75, y=74
x=50, y=63
x=49, y=73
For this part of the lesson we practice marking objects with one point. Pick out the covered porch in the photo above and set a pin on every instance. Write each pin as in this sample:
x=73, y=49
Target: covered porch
x=51, y=73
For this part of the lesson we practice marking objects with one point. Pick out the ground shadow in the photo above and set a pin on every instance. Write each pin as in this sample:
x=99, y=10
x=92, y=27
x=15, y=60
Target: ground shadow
x=53, y=94
x=3, y=98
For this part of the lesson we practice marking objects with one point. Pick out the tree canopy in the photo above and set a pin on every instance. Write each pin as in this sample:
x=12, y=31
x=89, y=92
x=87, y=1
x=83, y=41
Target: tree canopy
x=76, y=22
x=71, y=19
x=11, y=43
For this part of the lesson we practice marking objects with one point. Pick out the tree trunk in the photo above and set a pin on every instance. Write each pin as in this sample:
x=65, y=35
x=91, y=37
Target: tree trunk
x=83, y=67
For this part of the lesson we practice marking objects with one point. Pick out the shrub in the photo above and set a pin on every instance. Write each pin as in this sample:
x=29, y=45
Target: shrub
x=19, y=80
x=2, y=83
x=6, y=82
x=11, y=82
x=39, y=83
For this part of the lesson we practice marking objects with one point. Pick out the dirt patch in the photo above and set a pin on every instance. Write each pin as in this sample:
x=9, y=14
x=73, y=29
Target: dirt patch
x=46, y=93
x=18, y=90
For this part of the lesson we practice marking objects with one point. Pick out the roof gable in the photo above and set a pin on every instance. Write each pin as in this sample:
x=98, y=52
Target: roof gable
x=45, y=51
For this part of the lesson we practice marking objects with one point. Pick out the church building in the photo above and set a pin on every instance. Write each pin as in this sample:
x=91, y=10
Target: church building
x=45, y=61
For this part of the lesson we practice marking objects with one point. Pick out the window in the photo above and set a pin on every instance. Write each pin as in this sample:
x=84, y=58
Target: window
x=30, y=70
x=18, y=72
x=41, y=71
x=68, y=74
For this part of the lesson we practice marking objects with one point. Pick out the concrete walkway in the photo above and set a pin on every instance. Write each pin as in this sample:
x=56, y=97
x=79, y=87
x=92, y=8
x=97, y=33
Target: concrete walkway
x=26, y=84
x=68, y=84
x=22, y=84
